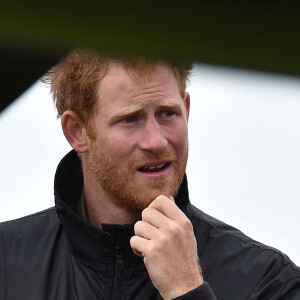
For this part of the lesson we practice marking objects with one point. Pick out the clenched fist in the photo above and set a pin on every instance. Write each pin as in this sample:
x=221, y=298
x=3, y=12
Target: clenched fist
x=165, y=239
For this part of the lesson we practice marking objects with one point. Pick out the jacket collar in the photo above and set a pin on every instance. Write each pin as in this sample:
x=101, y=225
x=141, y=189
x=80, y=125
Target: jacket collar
x=88, y=243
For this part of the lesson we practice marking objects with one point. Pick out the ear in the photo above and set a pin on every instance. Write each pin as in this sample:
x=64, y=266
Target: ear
x=186, y=101
x=74, y=131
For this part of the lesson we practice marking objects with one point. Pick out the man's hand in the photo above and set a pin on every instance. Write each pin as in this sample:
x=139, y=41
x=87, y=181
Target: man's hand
x=165, y=239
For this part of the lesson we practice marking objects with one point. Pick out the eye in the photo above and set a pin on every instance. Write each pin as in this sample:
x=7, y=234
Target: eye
x=168, y=113
x=129, y=120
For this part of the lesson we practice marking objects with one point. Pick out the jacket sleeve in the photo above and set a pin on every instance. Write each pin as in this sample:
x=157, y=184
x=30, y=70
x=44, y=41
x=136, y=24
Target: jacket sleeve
x=203, y=292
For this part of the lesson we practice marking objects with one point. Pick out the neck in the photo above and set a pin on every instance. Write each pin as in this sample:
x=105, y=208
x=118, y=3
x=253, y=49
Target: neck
x=100, y=208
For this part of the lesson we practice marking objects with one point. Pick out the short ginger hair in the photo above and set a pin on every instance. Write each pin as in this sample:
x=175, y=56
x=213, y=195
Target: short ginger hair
x=75, y=80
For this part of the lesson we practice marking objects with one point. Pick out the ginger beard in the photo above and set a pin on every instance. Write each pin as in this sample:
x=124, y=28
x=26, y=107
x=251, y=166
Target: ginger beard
x=125, y=187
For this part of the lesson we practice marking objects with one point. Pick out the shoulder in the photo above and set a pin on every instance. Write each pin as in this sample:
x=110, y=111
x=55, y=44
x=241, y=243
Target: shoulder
x=225, y=250
x=30, y=228
x=41, y=216
x=211, y=229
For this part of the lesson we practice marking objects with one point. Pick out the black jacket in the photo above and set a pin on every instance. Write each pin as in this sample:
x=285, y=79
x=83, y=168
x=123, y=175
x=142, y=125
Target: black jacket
x=56, y=255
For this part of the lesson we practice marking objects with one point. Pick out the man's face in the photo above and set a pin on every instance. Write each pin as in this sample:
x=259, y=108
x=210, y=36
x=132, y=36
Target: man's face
x=141, y=145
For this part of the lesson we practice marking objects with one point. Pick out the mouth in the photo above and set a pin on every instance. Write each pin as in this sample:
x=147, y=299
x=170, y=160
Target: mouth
x=154, y=168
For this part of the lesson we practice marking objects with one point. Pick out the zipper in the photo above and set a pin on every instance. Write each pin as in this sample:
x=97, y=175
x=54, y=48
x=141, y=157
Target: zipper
x=119, y=266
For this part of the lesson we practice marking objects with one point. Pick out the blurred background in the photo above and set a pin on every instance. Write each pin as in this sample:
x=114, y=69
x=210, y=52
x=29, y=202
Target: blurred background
x=245, y=101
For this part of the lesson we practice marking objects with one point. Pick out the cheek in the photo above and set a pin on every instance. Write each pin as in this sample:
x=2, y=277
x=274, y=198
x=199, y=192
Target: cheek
x=118, y=147
x=178, y=138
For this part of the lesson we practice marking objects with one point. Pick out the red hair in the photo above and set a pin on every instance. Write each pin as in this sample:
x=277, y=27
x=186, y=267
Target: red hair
x=75, y=81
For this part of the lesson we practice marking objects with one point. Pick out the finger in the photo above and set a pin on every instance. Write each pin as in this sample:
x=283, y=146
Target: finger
x=145, y=230
x=137, y=253
x=138, y=245
x=171, y=198
x=155, y=218
x=167, y=207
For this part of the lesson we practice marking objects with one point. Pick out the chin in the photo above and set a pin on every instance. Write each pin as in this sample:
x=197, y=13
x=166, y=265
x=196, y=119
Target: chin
x=142, y=197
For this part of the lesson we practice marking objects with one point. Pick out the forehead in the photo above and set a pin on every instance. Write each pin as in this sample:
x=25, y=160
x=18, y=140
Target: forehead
x=121, y=81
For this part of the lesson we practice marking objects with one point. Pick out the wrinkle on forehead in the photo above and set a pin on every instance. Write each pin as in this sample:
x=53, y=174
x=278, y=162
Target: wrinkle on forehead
x=154, y=82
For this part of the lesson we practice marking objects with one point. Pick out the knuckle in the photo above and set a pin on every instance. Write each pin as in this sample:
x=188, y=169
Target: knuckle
x=160, y=198
x=148, y=213
x=137, y=226
x=164, y=239
x=154, y=249
x=187, y=224
x=145, y=213
x=132, y=241
x=174, y=228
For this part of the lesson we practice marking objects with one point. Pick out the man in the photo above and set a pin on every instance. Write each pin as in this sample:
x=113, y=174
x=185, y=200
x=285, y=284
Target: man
x=116, y=231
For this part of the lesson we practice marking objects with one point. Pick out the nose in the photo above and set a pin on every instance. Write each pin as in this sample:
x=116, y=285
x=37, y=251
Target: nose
x=153, y=138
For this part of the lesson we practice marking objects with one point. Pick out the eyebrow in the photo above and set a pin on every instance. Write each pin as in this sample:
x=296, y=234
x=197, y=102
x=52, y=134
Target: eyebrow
x=124, y=114
x=127, y=112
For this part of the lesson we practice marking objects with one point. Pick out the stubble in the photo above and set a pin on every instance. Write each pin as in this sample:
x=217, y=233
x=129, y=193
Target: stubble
x=128, y=189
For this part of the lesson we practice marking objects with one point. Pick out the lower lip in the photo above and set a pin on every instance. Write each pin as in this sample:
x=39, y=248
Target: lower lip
x=157, y=175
